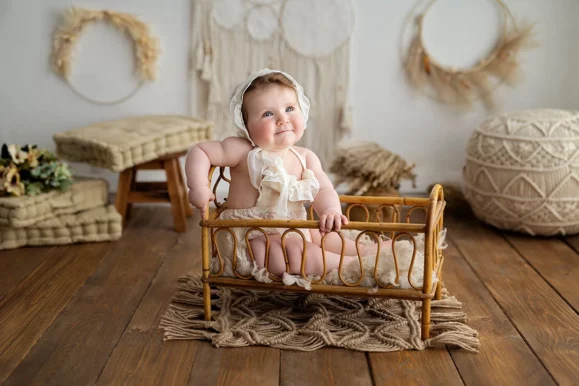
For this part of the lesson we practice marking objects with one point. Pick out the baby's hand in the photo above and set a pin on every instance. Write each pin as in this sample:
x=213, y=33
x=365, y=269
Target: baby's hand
x=331, y=220
x=200, y=196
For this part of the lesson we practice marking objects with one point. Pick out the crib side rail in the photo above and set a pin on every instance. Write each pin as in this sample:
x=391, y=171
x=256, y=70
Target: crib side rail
x=433, y=257
x=383, y=200
x=313, y=224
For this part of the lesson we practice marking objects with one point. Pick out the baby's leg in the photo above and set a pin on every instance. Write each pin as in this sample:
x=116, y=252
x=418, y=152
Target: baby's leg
x=294, y=247
x=333, y=243
x=370, y=249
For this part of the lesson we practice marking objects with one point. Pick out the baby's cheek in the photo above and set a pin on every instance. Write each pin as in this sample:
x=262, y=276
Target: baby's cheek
x=263, y=136
x=299, y=125
x=256, y=132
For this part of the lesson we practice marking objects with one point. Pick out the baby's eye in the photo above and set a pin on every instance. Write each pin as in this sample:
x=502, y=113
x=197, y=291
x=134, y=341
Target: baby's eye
x=291, y=108
x=267, y=114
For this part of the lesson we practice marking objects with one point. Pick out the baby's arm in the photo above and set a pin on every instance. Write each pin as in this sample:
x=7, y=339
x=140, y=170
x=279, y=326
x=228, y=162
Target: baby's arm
x=228, y=152
x=326, y=203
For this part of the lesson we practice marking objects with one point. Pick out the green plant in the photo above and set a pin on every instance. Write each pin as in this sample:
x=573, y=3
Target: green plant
x=31, y=171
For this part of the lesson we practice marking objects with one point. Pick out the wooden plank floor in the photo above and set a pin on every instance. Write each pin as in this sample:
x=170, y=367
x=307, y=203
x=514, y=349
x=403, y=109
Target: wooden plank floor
x=89, y=313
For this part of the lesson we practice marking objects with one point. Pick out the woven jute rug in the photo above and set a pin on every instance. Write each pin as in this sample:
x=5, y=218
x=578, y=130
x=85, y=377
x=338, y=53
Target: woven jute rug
x=307, y=322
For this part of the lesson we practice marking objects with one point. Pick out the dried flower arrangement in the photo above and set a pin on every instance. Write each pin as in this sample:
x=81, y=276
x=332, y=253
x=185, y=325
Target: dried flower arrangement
x=463, y=86
x=74, y=22
x=31, y=171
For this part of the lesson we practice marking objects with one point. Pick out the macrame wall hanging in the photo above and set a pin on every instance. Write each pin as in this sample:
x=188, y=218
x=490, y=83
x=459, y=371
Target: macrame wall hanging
x=74, y=22
x=462, y=87
x=310, y=40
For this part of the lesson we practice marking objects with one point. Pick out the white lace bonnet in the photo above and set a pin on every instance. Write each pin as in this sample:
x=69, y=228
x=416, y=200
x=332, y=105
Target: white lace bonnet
x=237, y=100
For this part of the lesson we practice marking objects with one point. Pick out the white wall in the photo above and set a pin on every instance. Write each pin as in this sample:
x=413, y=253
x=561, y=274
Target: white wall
x=35, y=103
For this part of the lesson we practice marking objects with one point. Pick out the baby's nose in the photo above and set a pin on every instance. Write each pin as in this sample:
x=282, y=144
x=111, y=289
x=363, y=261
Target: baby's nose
x=282, y=120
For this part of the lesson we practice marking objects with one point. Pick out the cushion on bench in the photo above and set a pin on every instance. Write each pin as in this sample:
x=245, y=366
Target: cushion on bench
x=121, y=144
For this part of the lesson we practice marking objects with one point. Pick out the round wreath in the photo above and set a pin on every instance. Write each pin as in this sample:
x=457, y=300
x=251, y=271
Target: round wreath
x=463, y=86
x=74, y=22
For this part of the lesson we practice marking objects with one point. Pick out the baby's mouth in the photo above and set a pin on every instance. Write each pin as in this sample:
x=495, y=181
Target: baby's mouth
x=283, y=131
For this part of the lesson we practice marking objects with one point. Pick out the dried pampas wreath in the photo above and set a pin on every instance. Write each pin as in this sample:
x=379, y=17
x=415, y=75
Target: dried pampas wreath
x=462, y=87
x=74, y=22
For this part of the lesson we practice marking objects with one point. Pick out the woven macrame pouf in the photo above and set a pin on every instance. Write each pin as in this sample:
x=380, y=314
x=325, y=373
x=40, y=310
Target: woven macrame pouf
x=522, y=172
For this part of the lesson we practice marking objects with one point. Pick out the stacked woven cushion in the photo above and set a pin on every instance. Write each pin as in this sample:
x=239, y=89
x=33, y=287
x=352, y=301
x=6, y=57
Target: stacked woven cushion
x=121, y=144
x=81, y=214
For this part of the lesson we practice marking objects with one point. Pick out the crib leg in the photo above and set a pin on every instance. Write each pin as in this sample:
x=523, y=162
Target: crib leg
x=438, y=293
x=425, y=319
x=205, y=266
x=207, y=301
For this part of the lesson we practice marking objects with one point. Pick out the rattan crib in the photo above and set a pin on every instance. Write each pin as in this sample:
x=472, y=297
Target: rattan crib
x=398, y=208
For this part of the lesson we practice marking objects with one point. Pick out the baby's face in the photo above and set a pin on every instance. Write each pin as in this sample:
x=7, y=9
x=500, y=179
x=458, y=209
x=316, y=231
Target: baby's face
x=274, y=118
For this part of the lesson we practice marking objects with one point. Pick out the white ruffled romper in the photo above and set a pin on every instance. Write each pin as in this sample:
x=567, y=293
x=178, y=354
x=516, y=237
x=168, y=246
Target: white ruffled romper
x=281, y=196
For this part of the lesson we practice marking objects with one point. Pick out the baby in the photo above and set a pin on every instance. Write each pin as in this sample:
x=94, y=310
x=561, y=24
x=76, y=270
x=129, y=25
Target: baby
x=271, y=178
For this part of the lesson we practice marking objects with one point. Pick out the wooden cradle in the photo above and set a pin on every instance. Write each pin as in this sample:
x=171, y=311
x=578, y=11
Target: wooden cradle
x=397, y=208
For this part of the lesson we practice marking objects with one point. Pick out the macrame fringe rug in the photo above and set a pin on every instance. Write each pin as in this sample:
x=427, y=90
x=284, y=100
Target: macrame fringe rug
x=307, y=322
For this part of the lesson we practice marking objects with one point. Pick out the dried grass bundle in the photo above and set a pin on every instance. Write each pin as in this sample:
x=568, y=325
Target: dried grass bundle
x=369, y=169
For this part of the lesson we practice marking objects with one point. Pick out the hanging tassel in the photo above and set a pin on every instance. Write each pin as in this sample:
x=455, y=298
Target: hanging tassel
x=206, y=73
x=346, y=121
x=199, y=53
x=206, y=70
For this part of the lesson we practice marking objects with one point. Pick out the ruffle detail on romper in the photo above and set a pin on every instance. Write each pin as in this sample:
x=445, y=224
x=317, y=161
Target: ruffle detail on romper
x=302, y=190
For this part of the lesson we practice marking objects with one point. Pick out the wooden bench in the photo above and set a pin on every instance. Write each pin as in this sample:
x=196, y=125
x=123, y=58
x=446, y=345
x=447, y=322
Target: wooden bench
x=173, y=190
